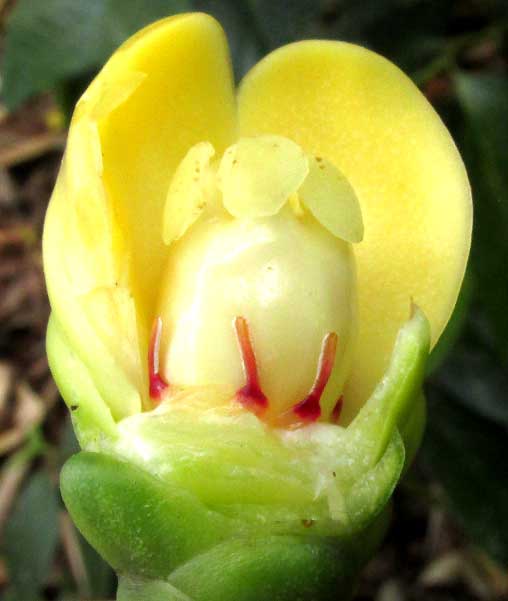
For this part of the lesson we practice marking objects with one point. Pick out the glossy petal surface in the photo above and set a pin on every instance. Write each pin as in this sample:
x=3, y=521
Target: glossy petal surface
x=187, y=97
x=356, y=109
x=166, y=89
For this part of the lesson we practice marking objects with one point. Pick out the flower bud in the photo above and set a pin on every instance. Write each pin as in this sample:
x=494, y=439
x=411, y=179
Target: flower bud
x=273, y=245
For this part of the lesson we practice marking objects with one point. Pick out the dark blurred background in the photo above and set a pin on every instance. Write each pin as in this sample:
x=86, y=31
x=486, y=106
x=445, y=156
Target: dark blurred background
x=449, y=537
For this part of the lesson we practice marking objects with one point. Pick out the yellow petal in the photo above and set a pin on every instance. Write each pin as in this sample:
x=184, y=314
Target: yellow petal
x=350, y=105
x=257, y=175
x=186, y=97
x=91, y=415
x=186, y=196
x=163, y=91
x=331, y=199
x=71, y=273
x=112, y=315
x=82, y=252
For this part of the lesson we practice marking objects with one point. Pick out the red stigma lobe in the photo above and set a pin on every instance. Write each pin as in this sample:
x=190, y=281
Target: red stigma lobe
x=157, y=383
x=250, y=396
x=309, y=409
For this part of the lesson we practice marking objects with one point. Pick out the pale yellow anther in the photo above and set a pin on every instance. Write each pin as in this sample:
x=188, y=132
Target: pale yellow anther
x=186, y=197
x=331, y=199
x=258, y=175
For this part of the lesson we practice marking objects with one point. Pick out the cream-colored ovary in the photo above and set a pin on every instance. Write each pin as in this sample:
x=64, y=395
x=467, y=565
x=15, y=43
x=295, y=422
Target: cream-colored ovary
x=286, y=274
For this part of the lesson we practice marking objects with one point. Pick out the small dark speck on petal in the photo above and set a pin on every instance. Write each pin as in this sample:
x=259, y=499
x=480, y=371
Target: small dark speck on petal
x=74, y=407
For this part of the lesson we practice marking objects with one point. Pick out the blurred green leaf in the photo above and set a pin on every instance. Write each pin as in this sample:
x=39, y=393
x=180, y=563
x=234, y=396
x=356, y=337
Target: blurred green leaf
x=68, y=442
x=99, y=580
x=453, y=330
x=30, y=539
x=467, y=454
x=370, y=23
x=484, y=100
x=101, y=577
x=50, y=41
x=246, y=42
x=468, y=410
x=472, y=375
x=286, y=21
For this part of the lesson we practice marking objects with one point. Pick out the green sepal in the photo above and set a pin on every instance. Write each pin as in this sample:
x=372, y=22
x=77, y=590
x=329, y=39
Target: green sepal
x=278, y=568
x=138, y=523
x=370, y=493
x=91, y=416
x=393, y=403
x=168, y=539
x=167, y=544
x=413, y=428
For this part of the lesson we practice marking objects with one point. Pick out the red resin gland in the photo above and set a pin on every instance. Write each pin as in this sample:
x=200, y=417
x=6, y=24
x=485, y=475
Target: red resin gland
x=158, y=385
x=309, y=410
x=250, y=396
